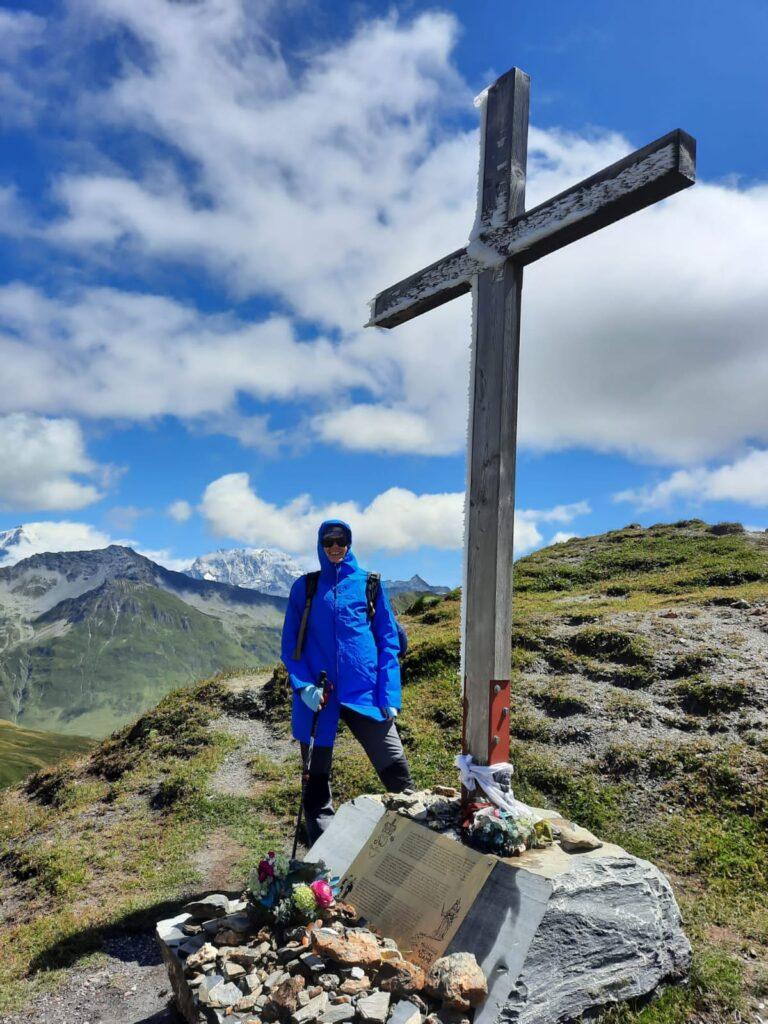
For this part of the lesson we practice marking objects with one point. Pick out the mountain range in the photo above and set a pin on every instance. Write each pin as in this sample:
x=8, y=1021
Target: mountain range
x=89, y=639
x=273, y=572
x=262, y=569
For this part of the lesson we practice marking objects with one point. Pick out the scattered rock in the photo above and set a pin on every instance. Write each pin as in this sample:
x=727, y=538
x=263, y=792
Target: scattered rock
x=353, y=986
x=314, y=1009
x=224, y=994
x=338, y=1013
x=205, y=955
x=276, y=978
x=246, y=956
x=405, y=1013
x=207, y=984
x=457, y=980
x=374, y=1007
x=286, y=998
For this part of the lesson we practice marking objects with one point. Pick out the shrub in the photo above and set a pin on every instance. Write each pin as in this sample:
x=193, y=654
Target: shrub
x=559, y=702
x=612, y=645
x=724, y=529
x=635, y=677
x=691, y=664
x=699, y=695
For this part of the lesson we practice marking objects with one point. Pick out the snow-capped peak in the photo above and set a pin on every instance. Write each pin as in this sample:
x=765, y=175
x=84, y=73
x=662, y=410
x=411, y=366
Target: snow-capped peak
x=264, y=569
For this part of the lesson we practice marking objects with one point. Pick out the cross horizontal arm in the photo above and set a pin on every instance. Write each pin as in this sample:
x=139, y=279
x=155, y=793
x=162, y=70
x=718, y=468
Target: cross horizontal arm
x=644, y=177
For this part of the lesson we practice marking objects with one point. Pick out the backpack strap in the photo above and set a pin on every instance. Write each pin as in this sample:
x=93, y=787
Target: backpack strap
x=311, y=580
x=372, y=585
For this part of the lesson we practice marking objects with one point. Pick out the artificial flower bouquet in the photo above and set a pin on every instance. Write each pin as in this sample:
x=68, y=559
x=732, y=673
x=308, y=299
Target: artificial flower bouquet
x=284, y=891
x=506, y=834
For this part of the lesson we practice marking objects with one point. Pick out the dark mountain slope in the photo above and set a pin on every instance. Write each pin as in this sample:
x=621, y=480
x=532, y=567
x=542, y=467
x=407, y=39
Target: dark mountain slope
x=88, y=639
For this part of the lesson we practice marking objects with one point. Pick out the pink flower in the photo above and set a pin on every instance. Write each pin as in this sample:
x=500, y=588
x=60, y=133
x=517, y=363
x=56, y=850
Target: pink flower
x=323, y=893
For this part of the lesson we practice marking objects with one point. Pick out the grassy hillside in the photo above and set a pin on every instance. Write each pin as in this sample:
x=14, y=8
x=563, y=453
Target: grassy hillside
x=639, y=669
x=23, y=751
x=99, y=659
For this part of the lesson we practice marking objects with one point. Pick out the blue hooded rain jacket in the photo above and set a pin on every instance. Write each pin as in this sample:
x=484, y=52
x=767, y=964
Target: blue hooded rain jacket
x=359, y=656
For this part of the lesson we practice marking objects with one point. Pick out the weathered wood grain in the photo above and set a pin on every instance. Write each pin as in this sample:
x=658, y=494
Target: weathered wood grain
x=489, y=527
x=644, y=177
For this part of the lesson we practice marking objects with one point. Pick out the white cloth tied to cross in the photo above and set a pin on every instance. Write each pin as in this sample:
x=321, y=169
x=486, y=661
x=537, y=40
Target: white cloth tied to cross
x=493, y=779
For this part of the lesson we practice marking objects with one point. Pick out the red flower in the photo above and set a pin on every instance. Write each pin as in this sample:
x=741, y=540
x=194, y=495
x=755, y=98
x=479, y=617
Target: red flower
x=266, y=870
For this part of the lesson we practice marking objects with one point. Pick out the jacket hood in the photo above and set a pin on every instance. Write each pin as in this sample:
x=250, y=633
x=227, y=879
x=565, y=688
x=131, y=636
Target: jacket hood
x=325, y=562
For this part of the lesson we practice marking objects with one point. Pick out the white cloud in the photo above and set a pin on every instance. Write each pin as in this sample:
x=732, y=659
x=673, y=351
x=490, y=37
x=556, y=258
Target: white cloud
x=395, y=520
x=180, y=510
x=744, y=480
x=36, y=538
x=106, y=353
x=40, y=460
x=162, y=556
x=20, y=31
x=647, y=338
x=562, y=536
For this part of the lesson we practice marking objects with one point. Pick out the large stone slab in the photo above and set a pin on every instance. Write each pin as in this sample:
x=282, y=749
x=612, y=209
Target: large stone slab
x=556, y=934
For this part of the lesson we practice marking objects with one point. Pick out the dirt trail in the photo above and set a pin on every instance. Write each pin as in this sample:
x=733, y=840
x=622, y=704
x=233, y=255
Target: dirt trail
x=234, y=777
x=128, y=984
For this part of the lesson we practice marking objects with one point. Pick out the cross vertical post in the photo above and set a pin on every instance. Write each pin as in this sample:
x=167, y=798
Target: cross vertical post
x=490, y=506
x=507, y=237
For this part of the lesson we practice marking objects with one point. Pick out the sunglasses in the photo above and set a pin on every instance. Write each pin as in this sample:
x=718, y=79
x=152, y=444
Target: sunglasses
x=330, y=542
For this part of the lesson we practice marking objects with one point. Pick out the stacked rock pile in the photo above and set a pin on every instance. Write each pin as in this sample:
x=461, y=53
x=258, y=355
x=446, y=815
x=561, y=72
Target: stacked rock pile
x=228, y=968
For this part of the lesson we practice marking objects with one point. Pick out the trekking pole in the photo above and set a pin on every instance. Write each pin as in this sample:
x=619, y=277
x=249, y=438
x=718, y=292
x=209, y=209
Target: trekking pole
x=327, y=687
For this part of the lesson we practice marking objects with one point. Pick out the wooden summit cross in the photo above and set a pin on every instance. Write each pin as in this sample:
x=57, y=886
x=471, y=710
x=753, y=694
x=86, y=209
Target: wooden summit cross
x=506, y=239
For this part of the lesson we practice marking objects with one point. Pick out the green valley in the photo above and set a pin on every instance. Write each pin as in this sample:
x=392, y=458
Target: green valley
x=23, y=751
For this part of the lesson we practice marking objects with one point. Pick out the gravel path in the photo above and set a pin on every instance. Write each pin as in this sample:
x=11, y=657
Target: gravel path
x=129, y=987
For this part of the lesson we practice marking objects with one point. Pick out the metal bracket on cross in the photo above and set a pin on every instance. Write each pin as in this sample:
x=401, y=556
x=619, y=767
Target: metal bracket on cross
x=498, y=721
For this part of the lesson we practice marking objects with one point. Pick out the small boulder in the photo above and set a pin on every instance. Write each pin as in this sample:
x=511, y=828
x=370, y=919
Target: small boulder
x=573, y=838
x=205, y=955
x=213, y=906
x=353, y=986
x=354, y=946
x=338, y=1014
x=457, y=980
x=401, y=978
x=226, y=993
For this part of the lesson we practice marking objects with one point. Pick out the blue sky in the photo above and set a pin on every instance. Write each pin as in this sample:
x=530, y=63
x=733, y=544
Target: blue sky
x=198, y=200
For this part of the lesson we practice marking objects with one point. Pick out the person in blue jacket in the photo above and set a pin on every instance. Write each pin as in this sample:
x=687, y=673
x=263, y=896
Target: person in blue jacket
x=360, y=656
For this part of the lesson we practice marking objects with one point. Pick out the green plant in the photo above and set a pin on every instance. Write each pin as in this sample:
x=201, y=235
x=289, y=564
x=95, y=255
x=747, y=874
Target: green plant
x=700, y=695
x=613, y=645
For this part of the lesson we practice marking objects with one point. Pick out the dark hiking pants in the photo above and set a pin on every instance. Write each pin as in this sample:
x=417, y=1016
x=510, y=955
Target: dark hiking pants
x=380, y=741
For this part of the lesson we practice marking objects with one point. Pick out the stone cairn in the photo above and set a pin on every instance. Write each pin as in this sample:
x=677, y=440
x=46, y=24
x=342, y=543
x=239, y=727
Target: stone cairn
x=232, y=961
x=229, y=967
